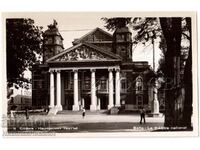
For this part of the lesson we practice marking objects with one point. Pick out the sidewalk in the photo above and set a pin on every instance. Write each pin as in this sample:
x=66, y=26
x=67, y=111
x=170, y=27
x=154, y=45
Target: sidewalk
x=63, y=123
x=90, y=118
x=102, y=118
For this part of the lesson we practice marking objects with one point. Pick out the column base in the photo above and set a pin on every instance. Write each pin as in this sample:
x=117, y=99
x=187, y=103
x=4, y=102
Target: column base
x=59, y=107
x=50, y=106
x=75, y=108
x=98, y=104
x=83, y=103
x=117, y=105
x=93, y=108
x=155, y=107
x=52, y=111
x=110, y=106
x=98, y=107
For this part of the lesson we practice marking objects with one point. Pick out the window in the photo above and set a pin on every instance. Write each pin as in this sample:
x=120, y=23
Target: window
x=123, y=49
x=120, y=38
x=128, y=37
x=58, y=40
x=69, y=81
x=40, y=84
x=139, y=88
x=103, y=84
x=37, y=84
x=87, y=83
x=139, y=101
x=123, y=85
x=49, y=40
x=139, y=84
x=123, y=37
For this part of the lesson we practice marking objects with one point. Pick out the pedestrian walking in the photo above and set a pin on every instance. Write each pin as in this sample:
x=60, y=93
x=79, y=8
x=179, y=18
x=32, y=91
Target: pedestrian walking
x=142, y=115
x=27, y=114
x=83, y=112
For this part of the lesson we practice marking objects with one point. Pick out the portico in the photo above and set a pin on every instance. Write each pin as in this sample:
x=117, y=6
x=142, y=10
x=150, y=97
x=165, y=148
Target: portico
x=112, y=91
x=96, y=73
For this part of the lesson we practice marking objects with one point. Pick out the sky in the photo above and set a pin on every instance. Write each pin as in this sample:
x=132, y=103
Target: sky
x=75, y=24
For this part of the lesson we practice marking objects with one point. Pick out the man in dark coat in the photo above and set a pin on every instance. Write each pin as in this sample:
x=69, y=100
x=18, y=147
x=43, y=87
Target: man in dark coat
x=142, y=115
x=27, y=114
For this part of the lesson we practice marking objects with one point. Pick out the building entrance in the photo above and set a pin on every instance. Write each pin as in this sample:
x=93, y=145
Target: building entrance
x=87, y=102
x=104, y=101
x=68, y=102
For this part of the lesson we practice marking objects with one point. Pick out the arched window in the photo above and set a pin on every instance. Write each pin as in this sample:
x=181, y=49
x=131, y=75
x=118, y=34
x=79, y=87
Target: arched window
x=139, y=84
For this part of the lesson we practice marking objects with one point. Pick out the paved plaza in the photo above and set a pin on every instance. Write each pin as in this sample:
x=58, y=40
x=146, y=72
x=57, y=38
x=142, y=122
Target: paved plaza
x=92, y=122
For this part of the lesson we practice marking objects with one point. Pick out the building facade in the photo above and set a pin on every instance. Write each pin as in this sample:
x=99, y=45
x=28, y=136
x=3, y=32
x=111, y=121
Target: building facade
x=97, y=72
x=19, y=98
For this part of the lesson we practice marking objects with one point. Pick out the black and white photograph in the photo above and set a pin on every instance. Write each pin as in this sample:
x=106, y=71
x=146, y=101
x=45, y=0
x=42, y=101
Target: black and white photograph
x=100, y=73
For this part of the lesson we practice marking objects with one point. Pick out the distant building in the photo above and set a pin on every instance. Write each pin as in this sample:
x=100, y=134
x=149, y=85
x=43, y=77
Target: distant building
x=19, y=99
x=97, y=72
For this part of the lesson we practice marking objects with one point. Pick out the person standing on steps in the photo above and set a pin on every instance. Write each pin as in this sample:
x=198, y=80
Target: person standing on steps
x=142, y=115
x=83, y=112
x=27, y=113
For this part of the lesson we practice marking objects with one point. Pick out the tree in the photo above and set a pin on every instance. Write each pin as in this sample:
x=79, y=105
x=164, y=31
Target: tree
x=170, y=32
x=163, y=48
x=113, y=23
x=187, y=110
x=23, y=43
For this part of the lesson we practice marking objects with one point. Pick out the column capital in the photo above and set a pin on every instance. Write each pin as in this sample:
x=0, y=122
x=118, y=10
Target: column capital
x=75, y=70
x=92, y=70
x=51, y=71
x=110, y=69
x=117, y=69
x=57, y=71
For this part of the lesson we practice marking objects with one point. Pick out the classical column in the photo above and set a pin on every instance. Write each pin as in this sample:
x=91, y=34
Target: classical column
x=110, y=78
x=98, y=104
x=93, y=91
x=117, y=88
x=83, y=102
x=58, y=90
x=75, y=106
x=51, y=89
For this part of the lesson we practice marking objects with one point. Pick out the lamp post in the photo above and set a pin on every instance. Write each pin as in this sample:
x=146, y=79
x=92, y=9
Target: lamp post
x=155, y=102
x=22, y=95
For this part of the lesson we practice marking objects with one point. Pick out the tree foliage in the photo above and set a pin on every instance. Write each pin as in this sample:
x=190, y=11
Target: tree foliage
x=23, y=42
x=170, y=31
x=187, y=111
x=148, y=29
x=113, y=23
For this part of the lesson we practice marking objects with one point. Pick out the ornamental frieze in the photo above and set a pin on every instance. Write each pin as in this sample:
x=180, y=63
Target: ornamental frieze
x=82, y=53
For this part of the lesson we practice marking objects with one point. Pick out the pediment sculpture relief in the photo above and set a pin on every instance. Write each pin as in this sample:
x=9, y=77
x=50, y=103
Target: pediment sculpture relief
x=82, y=53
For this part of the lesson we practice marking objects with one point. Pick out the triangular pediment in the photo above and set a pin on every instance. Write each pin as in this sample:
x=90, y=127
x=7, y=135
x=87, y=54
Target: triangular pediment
x=84, y=52
x=96, y=35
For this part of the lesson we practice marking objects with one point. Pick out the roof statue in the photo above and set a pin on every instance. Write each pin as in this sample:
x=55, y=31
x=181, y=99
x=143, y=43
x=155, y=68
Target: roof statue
x=54, y=25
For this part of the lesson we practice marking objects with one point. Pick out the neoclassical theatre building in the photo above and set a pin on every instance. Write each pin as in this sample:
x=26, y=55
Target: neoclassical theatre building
x=98, y=73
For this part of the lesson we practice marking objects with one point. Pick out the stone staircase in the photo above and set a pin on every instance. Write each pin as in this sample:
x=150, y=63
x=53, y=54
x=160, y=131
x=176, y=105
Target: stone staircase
x=52, y=112
x=88, y=112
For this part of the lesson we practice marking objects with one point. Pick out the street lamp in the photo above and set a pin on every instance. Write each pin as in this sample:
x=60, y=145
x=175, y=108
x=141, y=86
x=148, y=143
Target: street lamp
x=155, y=102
